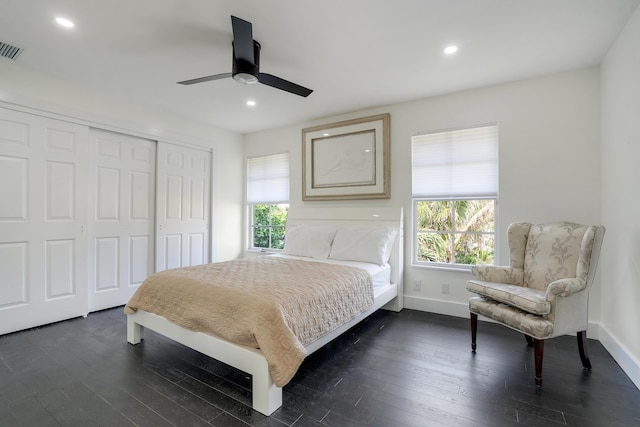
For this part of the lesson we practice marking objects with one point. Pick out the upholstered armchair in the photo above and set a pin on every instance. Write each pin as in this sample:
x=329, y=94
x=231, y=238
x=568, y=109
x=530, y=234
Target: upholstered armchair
x=544, y=292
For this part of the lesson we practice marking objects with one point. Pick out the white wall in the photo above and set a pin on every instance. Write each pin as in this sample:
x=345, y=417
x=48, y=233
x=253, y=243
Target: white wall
x=31, y=92
x=620, y=262
x=549, y=163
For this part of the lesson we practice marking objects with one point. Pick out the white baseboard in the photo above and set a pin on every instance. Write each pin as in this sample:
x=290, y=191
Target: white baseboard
x=620, y=353
x=437, y=306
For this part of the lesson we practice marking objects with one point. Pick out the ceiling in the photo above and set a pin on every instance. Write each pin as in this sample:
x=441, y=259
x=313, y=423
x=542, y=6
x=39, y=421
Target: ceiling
x=354, y=54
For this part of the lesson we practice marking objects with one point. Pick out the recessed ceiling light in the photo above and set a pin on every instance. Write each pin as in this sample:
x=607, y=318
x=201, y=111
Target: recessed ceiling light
x=450, y=49
x=251, y=103
x=325, y=134
x=64, y=22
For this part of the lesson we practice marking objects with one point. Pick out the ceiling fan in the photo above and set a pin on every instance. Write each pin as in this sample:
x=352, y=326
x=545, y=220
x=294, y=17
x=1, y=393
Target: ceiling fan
x=246, y=63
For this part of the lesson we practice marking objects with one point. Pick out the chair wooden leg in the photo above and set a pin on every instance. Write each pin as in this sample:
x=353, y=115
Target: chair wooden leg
x=529, y=340
x=583, y=347
x=474, y=330
x=538, y=350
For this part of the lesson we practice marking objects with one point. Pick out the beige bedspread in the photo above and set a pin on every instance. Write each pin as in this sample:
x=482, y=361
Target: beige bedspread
x=277, y=305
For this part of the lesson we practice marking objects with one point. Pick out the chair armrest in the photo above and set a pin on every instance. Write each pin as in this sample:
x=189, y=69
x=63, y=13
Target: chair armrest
x=564, y=288
x=498, y=274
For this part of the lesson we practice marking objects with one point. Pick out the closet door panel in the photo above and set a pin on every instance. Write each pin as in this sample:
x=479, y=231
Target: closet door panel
x=122, y=225
x=14, y=180
x=60, y=191
x=43, y=188
x=14, y=270
x=197, y=248
x=60, y=268
x=108, y=194
x=107, y=255
x=172, y=254
x=141, y=258
x=183, y=214
x=141, y=187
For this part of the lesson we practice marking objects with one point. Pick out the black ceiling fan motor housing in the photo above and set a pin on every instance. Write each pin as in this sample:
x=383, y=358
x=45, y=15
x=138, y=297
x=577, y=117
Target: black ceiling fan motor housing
x=242, y=66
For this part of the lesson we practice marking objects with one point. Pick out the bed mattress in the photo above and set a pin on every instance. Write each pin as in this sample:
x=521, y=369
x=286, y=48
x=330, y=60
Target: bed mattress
x=380, y=274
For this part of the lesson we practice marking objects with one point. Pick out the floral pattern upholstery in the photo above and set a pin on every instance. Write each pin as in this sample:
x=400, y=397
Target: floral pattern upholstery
x=518, y=233
x=527, y=299
x=547, y=262
x=530, y=324
x=552, y=253
x=486, y=273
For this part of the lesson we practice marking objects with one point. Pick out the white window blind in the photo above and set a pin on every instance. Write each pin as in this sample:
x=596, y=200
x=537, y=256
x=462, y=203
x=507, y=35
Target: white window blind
x=268, y=179
x=457, y=163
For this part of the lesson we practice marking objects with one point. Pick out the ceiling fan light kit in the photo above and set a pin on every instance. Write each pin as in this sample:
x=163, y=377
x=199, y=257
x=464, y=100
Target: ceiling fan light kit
x=245, y=78
x=245, y=71
x=246, y=63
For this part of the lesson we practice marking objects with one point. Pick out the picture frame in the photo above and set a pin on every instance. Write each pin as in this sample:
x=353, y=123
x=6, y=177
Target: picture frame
x=347, y=160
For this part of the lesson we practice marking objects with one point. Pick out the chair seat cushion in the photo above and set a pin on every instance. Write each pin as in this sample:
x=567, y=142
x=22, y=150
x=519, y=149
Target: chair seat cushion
x=527, y=299
x=536, y=326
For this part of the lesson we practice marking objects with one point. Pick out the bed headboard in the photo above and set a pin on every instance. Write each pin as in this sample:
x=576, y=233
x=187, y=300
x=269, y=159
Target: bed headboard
x=370, y=216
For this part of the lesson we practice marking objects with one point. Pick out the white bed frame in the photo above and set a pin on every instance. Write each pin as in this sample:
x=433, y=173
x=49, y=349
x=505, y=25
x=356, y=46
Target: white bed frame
x=266, y=397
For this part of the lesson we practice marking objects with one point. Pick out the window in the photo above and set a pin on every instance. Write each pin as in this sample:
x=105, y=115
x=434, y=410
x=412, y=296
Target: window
x=267, y=225
x=267, y=200
x=455, y=192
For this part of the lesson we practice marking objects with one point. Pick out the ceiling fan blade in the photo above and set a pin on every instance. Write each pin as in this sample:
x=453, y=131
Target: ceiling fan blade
x=205, y=79
x=242, y=39
x=278, y=83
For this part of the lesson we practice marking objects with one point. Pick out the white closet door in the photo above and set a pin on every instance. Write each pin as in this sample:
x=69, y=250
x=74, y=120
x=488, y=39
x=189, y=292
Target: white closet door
x=183, y=206
x=43, y=214
x=121, y=244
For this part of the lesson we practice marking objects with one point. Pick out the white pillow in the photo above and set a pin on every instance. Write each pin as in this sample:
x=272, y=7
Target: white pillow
x=311, y=241
x=363, y=244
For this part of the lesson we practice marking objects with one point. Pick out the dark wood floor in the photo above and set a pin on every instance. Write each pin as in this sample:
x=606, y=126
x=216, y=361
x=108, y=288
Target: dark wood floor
x=395, y=369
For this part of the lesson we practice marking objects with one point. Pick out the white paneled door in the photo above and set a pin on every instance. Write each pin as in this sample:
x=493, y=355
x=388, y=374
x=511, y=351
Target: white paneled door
x=43, y=213
x=121, y=229
x=183, y=206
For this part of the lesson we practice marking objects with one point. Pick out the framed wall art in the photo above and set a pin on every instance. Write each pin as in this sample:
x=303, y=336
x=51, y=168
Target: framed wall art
x=347, y=160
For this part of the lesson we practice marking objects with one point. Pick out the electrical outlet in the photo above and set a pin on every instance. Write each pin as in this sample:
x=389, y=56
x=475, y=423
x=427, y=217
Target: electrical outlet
x=445, y=288
x=417, y=285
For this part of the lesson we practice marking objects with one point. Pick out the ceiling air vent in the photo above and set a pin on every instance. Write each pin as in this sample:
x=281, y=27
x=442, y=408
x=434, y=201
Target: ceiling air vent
x=8, y=51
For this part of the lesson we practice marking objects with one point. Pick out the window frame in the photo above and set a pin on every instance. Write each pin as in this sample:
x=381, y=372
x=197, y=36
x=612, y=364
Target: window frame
x=267, y=182
x=250, y=219
x=450, y=265
x=427, y=166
